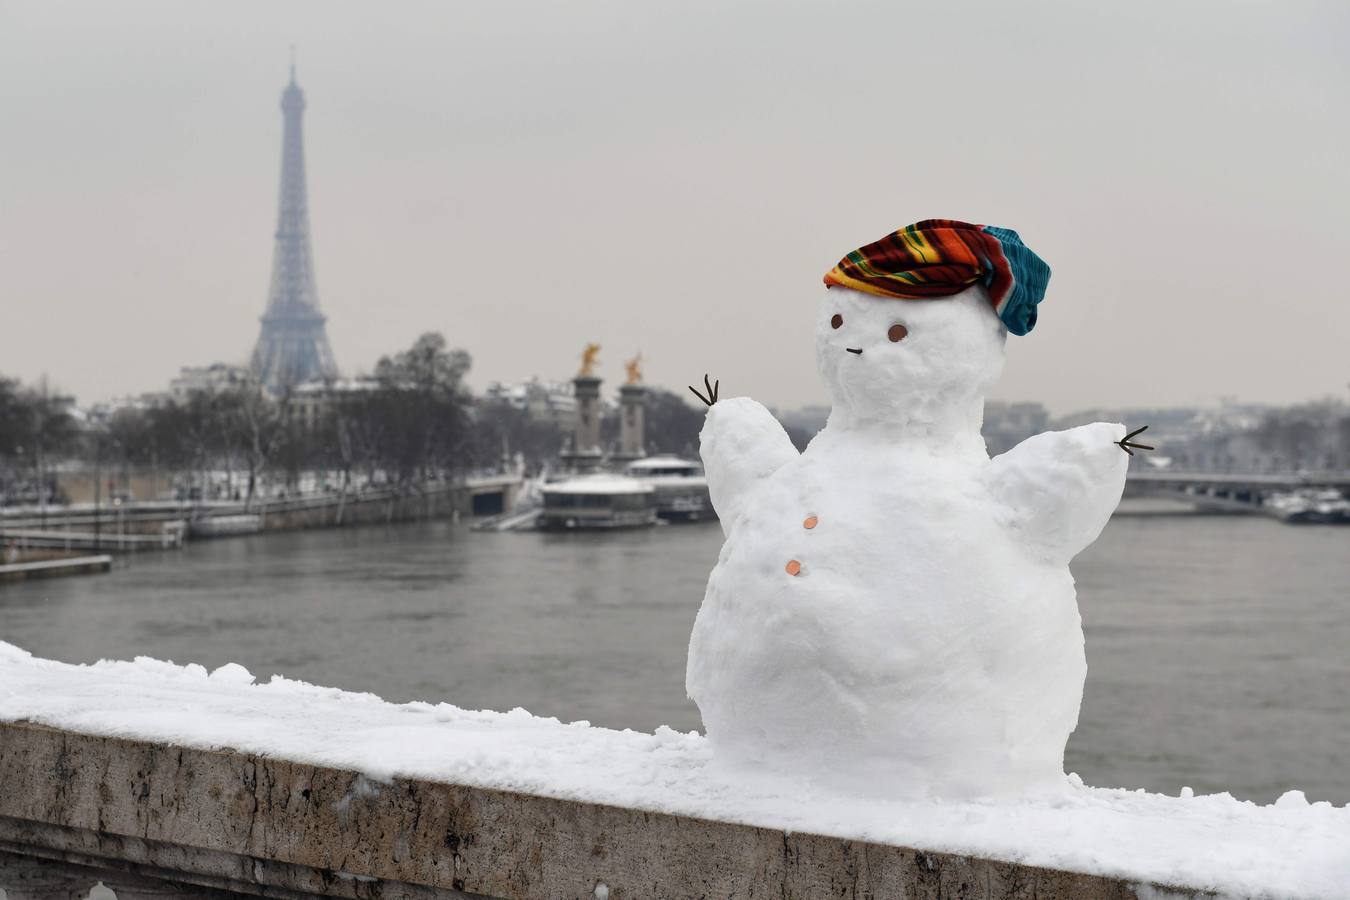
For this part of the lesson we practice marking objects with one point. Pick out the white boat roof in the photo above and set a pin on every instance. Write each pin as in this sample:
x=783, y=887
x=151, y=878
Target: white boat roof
x=597, y=484
x=684, y=481
x=665, y=461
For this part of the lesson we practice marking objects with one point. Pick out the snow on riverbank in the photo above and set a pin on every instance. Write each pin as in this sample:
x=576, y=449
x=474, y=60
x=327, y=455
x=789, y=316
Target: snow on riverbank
x=1289, y=849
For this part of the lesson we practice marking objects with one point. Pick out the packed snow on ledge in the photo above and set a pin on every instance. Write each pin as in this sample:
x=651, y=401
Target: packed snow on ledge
x=1289, y=849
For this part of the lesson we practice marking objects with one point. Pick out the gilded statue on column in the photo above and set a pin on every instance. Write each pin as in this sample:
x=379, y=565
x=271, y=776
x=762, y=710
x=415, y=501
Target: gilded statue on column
x=634, y=369
x=588, y=358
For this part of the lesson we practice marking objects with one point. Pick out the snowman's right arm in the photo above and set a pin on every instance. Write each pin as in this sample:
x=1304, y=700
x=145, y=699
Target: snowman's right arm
x=741, y=444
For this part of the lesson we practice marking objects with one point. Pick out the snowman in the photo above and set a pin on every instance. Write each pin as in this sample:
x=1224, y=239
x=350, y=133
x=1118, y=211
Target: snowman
x=892, y=610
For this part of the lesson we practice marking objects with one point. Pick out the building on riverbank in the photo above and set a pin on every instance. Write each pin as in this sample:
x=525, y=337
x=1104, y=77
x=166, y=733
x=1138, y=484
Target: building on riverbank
x=209, y=379
x=553, y=402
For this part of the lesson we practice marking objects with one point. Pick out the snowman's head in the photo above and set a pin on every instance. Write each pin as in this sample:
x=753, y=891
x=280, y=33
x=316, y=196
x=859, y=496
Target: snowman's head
x=886, y=359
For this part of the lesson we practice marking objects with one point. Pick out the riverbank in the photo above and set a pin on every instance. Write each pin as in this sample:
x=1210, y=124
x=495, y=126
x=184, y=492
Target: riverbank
x=164, y=525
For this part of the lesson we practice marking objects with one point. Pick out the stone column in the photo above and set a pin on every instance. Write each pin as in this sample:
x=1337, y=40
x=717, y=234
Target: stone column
x=585, y=454
x=632, y=422
x=588, y=414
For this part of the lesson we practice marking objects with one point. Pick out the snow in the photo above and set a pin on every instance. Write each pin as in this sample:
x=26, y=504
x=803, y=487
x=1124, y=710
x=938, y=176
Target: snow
x=891, y=607
x=1291, y=849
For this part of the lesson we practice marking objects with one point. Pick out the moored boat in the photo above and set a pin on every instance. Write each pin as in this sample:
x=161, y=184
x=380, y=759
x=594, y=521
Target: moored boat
x=597, y=501
x=1321, y=506
x=679, y=485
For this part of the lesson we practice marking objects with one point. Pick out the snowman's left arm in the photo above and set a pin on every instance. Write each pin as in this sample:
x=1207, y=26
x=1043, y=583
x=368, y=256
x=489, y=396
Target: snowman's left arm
x=1059, y=488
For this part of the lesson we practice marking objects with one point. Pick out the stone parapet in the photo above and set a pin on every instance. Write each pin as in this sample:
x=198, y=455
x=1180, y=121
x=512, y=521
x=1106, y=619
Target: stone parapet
x=213, y=823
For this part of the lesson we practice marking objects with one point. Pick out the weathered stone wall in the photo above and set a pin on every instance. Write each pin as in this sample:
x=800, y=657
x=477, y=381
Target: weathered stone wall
x=227, y=821
x=433, y=500
x=357, y=509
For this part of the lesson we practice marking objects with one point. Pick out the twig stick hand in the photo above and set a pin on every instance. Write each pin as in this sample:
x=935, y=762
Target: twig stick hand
x=712, y=387
x=1129, y=447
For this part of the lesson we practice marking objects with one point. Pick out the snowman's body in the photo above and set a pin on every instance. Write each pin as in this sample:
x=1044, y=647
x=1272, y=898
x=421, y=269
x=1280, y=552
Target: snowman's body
x=892, y=609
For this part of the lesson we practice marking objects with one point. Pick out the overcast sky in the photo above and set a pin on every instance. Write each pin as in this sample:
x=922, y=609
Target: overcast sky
x=676, y=178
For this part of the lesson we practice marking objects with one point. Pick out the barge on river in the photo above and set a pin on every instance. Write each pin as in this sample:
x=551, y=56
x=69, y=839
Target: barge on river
x=597, y=502
x=681, y=488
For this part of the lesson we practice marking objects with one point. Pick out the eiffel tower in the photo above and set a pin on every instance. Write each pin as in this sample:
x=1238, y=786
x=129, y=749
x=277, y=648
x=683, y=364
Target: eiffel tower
x=293, y=346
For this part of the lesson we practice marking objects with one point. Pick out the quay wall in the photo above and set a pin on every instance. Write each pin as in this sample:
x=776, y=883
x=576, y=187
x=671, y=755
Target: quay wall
x=435, y=502
x=110, y=520
x=219, y=823
x=321, y=511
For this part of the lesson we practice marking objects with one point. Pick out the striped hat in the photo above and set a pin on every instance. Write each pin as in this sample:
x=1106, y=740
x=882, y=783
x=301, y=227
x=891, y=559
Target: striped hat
x=941, y=257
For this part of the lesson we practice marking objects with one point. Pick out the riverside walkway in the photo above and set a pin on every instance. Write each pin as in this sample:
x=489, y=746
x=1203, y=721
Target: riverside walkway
x=171, y=781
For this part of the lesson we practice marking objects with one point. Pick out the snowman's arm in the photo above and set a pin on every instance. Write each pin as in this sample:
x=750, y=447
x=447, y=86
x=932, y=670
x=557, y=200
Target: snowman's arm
x=1059, y=488
x=741, y=444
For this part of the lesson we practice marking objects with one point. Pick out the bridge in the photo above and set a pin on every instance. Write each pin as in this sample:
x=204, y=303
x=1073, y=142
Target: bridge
x=1231, y=492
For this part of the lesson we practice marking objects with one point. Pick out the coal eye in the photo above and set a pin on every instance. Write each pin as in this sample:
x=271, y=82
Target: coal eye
x=836, y=321
x=897, y=333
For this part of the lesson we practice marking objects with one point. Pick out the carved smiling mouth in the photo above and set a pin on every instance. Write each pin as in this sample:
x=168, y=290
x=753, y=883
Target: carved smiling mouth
x=854, y=350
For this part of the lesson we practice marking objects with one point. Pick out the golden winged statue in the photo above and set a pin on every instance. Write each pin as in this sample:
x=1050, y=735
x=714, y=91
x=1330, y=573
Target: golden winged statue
x=634, y=368
x=588, y=359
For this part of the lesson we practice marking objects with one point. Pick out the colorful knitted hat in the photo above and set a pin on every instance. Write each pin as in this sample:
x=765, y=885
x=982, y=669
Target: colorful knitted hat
x=941, y=257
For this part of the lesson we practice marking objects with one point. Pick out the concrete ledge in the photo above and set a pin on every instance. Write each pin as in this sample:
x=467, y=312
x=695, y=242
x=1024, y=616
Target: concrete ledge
x=257, y=825
x=53, y=568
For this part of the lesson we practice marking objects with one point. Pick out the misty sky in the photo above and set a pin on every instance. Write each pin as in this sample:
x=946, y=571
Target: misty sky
x=676, y=178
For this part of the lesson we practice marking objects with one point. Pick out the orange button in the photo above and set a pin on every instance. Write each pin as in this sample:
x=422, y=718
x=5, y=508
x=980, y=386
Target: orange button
x=793, y=567
x=810, y=522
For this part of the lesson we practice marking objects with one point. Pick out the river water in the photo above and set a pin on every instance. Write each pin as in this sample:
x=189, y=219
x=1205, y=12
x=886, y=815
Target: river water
x=1218, y=648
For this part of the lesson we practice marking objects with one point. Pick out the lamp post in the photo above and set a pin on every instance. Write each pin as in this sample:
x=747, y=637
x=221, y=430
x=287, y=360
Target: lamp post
x=98, y=487
x=117, y=500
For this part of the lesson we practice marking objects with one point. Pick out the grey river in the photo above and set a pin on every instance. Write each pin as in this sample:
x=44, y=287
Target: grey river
x=1218, y=648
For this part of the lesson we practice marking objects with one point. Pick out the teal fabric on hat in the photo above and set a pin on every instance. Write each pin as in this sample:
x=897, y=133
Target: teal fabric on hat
x=1030, y=276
